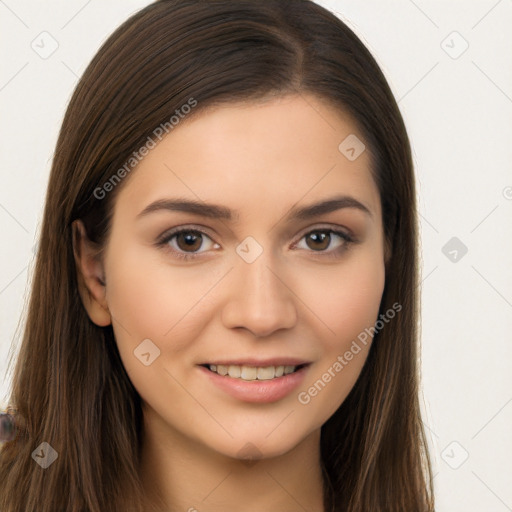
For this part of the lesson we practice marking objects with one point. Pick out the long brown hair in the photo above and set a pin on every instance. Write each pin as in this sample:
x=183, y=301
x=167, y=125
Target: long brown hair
x=69, y=384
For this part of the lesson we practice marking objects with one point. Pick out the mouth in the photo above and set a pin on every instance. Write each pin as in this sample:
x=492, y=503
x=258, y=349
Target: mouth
x=255, y=381
x=252, y=373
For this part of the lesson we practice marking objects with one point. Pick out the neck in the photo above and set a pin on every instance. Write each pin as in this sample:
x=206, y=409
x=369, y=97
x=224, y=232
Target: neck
x=180, y=475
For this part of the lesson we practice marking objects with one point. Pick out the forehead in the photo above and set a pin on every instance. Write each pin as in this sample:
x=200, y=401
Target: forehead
x=245, y=155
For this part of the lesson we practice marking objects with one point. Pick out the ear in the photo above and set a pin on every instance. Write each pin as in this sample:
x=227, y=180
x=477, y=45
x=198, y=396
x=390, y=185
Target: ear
x=90, y=275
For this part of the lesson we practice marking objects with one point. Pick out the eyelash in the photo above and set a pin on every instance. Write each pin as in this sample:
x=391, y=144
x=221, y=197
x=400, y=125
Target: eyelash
x=164, y=240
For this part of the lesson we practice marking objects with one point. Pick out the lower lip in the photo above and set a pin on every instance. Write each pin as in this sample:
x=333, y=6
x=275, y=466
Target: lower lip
x=257, y=391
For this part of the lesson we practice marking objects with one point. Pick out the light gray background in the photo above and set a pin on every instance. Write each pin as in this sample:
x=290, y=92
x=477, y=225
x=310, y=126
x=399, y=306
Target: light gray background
x=457, y=107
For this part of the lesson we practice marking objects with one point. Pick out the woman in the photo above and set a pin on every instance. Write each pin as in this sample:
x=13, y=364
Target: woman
x=224, y=307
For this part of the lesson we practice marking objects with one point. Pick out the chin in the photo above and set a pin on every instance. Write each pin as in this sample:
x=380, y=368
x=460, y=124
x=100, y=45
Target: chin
x=251, y=447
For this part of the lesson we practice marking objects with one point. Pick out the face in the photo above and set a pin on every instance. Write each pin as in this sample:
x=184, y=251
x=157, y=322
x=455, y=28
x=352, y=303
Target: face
x=261, y=286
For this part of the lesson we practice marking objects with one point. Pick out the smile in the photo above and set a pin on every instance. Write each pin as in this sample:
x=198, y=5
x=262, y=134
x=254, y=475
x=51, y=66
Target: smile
x=257, y=384
x=252, y=372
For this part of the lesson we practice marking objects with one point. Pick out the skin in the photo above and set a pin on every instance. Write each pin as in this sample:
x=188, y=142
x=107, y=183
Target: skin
x=261, y=159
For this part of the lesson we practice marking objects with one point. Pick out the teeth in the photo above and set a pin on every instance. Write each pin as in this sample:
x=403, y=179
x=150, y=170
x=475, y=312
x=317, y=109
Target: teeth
x=266, y=373
x=234, y=371
x=248, y=372
x=252, y=372
x=222, y=370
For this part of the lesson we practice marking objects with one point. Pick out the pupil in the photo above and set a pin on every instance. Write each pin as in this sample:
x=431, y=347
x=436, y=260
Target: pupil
x=320, y=237
x=190, y=241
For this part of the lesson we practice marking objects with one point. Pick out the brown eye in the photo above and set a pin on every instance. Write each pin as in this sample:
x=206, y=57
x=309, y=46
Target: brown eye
x=189, y=240
x=320, y=240
x=186, y=243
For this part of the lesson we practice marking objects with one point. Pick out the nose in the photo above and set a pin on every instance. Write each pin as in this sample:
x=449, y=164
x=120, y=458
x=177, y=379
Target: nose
x=260, y=300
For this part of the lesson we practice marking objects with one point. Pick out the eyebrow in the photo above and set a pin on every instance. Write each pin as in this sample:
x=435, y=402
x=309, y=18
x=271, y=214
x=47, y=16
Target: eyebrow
x=214, y=211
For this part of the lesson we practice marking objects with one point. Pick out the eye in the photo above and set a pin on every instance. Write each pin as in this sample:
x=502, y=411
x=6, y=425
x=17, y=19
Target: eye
x=186, y=242
x=321, y=239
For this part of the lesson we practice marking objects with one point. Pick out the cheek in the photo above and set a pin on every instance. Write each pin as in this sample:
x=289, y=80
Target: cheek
x=349, y=308
x=347, y=297
x=151, y=299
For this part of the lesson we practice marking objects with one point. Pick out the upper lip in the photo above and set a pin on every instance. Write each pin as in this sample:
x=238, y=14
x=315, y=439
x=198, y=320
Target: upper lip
x=275, y=361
